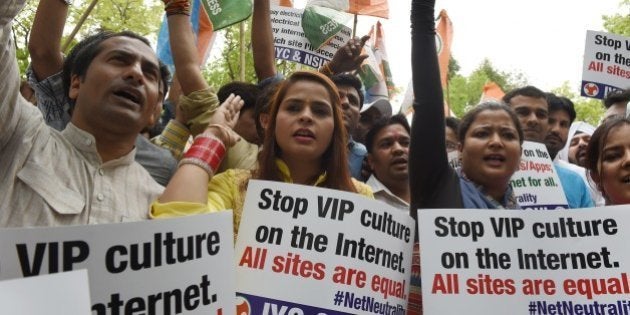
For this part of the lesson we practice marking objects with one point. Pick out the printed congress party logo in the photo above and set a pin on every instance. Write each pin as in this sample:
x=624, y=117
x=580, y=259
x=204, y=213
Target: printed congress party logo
x=591, y=89
x=242, y=306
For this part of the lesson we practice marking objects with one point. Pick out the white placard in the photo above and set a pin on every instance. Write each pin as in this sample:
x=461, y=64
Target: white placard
x=536, y=184
x=66, y=293
x=606, y=64
x=291, y=44
x=525, y=262
x=184, y=264
x=309, y=250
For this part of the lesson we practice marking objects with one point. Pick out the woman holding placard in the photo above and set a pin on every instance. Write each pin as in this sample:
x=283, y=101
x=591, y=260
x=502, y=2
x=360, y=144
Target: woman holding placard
x=490, y=137
x=305, y=139
x=608, y=160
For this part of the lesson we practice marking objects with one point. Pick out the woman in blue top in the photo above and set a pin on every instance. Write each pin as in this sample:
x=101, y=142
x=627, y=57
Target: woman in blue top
x=490, y=137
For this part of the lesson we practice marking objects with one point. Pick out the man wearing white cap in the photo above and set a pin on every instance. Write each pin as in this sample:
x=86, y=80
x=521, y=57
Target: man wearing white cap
x=371, y=113
x=573, y=155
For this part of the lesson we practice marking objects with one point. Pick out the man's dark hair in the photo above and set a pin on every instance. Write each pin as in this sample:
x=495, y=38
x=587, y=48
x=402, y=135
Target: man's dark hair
x=453, y=123
x=557, y=103
x=398, y=119
x=248, y=92
x=529, y=91
x=350, y=80
x=263, y=103
x=622, y=96
x=83, y=53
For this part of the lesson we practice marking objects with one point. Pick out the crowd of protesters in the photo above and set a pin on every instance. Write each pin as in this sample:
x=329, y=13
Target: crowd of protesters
x=89, y=152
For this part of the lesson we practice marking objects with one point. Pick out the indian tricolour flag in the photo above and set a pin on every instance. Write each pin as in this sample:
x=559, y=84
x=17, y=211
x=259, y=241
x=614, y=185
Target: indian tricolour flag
x=378, y=8
x=444, y=32
x=375, y=72
x=282, y=3
x=206, y=17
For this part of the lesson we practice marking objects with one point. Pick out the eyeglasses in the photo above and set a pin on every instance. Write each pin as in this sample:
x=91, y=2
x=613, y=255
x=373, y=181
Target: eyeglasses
x=451, y=146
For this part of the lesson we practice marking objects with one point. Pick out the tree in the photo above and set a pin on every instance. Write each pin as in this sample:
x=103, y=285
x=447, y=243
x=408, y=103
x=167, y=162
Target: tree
x=139, y=16
x=453, y=68
x=464, y=92
x=589, y=110
x=114, y=15
x=619, y=23
x=224, y=67
x=21, y=31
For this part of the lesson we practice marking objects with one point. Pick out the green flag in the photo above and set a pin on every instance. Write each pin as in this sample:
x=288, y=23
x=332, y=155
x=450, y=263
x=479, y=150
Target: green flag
x=321, y=24
x=224, y=13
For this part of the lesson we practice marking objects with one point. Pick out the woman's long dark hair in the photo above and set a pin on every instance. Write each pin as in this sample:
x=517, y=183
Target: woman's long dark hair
x=334, y=161
x=595, y=149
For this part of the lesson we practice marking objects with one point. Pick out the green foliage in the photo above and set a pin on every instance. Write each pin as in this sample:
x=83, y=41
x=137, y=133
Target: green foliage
x=21, y=31
x=619, y=23
x=465, y=92
x=115, y=15
x=453, y=68
x=225, y=67
x=587, y=109
x=457, y=96
x=144, y=18
x=139, y=16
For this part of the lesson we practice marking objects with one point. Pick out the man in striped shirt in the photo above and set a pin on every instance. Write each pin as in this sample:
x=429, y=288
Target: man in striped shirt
x=85, y=174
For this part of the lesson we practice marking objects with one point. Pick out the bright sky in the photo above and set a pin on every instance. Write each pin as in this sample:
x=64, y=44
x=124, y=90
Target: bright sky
x=543, y=39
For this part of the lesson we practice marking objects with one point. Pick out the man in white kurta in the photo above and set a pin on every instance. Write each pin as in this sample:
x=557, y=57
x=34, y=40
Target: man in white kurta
x=85, y=174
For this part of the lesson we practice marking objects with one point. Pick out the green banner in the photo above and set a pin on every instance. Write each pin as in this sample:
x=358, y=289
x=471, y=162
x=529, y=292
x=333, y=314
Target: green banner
x=321, y=24
x=224, y=13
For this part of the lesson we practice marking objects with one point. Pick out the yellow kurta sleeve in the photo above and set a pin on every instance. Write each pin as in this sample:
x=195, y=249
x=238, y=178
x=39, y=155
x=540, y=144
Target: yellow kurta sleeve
x=199, y=106
x=242, y=155
x=225, y=191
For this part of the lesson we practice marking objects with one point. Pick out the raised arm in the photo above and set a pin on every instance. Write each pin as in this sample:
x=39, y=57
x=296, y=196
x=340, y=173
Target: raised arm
x=190, y=182
x=433, y=183
x=262, y=41
x=202, y=160
x=44, y=44
x=184, y=51
x=9, y=75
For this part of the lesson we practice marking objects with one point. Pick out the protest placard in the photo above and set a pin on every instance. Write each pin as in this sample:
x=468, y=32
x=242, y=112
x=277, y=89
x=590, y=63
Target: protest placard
x=525, y=262
x=536, y=183
x=606, y=64
x=152, y=267
x=65, y=293
x=291, y=44
x=310, y=250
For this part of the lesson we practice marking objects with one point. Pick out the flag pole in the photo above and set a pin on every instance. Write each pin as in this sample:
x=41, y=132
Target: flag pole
x=242, y=50
x=77, y=27
x=354, y=26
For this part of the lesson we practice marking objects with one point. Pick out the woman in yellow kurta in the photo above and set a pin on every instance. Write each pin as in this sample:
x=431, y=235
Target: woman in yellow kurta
x=304, y=144
x=305, y=141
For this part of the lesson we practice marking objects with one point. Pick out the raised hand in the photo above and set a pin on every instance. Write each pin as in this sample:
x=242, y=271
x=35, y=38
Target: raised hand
x=224, y=119
x=349, y=57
